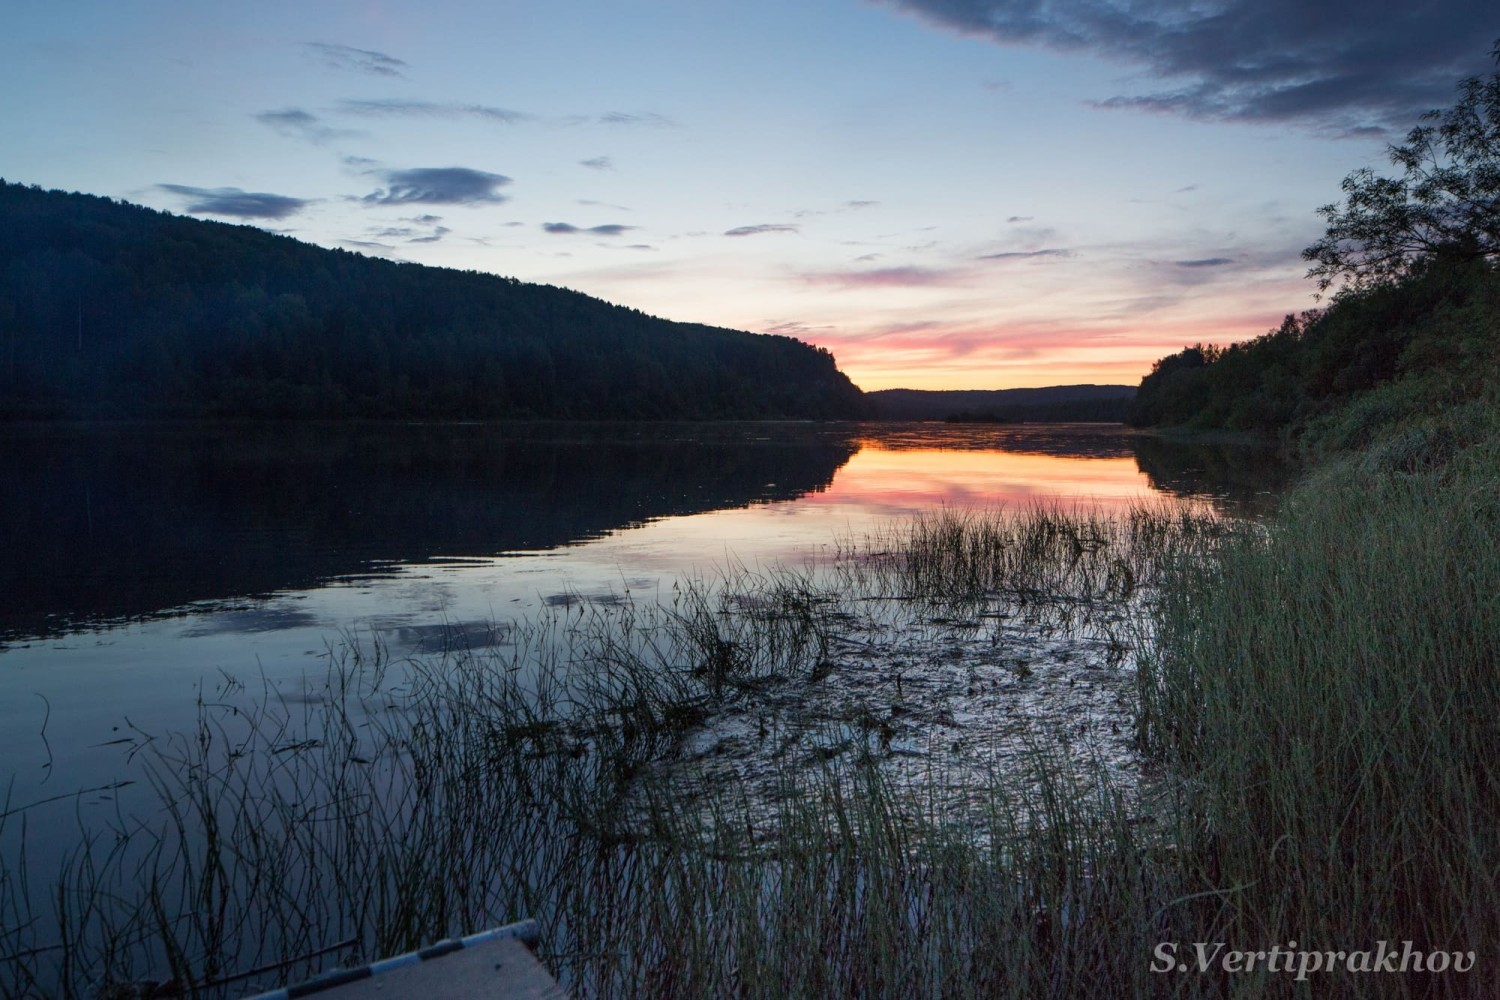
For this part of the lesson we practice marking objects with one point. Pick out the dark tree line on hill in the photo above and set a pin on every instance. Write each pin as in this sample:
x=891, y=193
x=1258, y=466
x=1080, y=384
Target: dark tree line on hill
x=113, y=310
x=1440, y=325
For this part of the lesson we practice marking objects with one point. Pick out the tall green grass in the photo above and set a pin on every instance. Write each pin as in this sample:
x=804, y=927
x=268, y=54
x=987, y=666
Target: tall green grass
x=1331, y=685
x=1319, y=695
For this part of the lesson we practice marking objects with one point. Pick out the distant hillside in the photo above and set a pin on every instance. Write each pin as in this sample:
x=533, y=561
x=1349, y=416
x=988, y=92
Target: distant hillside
x=1058, y=403
x=113, y=310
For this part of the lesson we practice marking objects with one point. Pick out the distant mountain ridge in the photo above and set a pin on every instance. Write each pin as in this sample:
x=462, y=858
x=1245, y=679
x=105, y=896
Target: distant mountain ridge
x=113, y=310
x=1058, y=403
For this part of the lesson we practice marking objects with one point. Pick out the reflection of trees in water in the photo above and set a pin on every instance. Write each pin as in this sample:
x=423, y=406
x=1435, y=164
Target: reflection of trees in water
x=1241, y=479
x=117, y=522
x=1238, y=478
x=1059, y=440
x=120, y=522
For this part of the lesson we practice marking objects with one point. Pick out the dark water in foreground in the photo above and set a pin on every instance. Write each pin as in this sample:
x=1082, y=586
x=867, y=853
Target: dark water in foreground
x=139, y=564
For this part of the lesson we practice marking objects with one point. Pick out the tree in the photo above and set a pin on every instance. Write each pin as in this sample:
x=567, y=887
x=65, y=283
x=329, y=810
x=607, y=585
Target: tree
x=1446, y=205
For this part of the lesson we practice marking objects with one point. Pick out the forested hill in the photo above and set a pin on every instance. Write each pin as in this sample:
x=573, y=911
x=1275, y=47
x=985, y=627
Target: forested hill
x=112, y=310
x=1420, y=345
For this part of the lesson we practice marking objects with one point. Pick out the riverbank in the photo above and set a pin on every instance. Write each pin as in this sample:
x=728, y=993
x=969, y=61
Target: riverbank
x=870, y=782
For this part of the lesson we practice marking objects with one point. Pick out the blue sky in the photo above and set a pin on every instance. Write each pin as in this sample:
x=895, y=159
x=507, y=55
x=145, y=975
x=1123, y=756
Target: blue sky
x=945, y=193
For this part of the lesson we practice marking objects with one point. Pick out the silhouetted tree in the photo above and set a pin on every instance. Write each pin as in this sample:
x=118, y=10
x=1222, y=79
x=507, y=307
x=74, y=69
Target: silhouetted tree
x=1446, y=205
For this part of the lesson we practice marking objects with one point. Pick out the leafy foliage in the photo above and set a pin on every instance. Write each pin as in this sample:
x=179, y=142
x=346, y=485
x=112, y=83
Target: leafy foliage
x=1436, y=333
x=112, y=310
x=1415, y=326
x=1447, y=203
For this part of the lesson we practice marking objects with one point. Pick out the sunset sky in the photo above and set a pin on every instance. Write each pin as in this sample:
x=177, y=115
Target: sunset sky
x=944, y=193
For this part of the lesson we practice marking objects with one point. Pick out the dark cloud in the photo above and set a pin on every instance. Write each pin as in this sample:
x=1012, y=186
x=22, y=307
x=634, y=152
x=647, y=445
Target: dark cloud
x=758, y=230
x=412, y=235
x=1205, y=262
x=598, y=163
x=439, y=186
x=433, y=237
x=235, y=203
x=568, y=229
x=886, y=277
x=397, y=108
x=358, y=60
x=1023, y=254
x=1324, y=65
x=1020, y=218
x=300, y=124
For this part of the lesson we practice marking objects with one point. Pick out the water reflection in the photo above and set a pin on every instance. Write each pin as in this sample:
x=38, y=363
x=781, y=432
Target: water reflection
x=122, y=522
x=100, y=525
x=1241, y=479
x=1054, y=440
x=144, y=568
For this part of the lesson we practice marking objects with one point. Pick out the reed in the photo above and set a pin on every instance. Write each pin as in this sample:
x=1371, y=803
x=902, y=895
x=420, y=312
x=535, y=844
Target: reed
x=1330, y=686
x=1328, y=782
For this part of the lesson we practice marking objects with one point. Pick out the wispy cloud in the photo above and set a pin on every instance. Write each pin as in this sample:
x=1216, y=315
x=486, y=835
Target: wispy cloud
x=1025, y=254
x=795, y=328
x=648, y=118
x=357, y=60
x=761, y=230
x=1255, y=60
x=369, y=246
x=234, y=203
x=886, y=277
x=598, y=163
x=568, y=229
x=1205, y=262
x=399, y=108
x=411, y=234
x=439, y=186
x=299, y=124
x=1020, y=218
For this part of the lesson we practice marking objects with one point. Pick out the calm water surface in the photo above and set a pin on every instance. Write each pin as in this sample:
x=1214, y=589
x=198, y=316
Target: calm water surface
x=139, y=566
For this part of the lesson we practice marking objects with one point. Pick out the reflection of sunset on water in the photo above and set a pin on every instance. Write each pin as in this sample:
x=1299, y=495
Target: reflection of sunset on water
x=897, y=472
x=906, y=480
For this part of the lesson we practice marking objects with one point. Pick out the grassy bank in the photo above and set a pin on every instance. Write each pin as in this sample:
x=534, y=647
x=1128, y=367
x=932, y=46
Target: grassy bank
x=1315, y=703
x=1329, y=686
